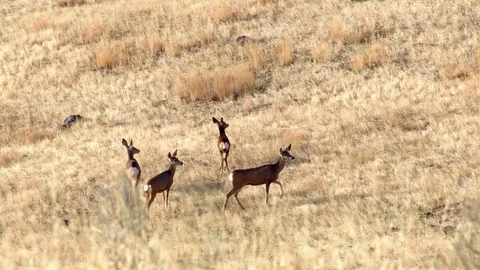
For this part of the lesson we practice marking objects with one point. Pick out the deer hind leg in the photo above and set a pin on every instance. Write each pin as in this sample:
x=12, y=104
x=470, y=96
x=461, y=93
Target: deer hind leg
x=226, y=161
x=152, y=197
x=221, y=163
x=230, y=193
x=281, y=187
x=236, y=198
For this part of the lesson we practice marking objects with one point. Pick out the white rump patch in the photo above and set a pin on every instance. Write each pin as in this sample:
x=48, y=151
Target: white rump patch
x=134, y=171
x=224, y=145
x=147, y=188
x=230, y=177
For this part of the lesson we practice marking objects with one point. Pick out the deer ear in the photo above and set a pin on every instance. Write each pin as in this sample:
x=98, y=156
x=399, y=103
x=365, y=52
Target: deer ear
x=214, y=120
x=124, y=143
x=281, y=150
x=169, y=155
x=175, y=153
x=221, y=119
x=288, y=147
x=131, y=142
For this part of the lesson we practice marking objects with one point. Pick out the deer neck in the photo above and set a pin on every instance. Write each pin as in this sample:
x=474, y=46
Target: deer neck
x=130, y=155
x=279, y=165
x=172, y=169
x=222, y=131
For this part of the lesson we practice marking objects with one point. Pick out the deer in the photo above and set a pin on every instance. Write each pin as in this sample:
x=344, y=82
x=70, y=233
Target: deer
x=223, y=143
x=162, y=182
x=263, y=175
x=133, y=168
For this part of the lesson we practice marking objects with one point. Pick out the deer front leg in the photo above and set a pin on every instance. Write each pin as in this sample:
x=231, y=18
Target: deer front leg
x=166, y=201
x=267, y=188
x=281, y=187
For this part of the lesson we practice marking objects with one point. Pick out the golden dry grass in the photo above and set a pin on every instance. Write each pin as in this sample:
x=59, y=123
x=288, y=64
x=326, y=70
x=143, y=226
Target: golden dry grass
x=218, y=85
x=285, y=53
x=387, y=158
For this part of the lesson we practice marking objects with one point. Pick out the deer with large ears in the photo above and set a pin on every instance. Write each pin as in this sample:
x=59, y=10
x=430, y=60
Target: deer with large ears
x=223, y=143
x=133, y=168
x=263, y=175
x=162, y=182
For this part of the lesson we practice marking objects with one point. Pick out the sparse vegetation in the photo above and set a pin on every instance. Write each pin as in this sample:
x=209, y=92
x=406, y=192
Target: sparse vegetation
x=379, y=101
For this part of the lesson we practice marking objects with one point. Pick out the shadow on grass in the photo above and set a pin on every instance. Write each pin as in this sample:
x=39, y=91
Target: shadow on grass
x=300, y=200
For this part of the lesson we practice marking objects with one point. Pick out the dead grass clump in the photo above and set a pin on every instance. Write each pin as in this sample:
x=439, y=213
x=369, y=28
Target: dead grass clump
x=31, y=136
x=257, y=58
x=69, y=3
x=224, y=13
x=42, y=23
x=151, y=44
x=175, y=46
x=374, y=55
x=218, y=85
x=455, y=71
x=92, y=32
x=110, y=57
x=8, y=158
x=285, y=55
x=355, y=34
x=322, y=52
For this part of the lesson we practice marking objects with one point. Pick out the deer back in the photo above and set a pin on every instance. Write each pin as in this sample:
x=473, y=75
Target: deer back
x=255, y=176
x=161, y=182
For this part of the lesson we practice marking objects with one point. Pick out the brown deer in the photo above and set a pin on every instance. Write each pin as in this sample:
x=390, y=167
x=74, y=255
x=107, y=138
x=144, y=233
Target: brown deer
x=263, y=175
x=162, y=182
x=223, y=143
x=133, y=168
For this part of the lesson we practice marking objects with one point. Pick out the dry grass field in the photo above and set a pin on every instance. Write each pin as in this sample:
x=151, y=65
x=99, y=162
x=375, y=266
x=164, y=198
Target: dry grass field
x=379, y=99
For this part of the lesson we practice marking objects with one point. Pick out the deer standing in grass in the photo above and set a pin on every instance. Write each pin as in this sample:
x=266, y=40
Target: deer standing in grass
x=223, y=143
x=162, y=182
x=133, y=168
x=263, y=175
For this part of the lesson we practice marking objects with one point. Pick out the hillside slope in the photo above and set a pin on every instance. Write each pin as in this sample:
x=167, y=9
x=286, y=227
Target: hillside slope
x=379, y=99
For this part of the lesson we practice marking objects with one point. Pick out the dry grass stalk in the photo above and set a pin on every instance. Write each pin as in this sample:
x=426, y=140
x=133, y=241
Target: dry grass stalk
x=69, y=3
x=322, y=52
x=216, y=86
x=285, y=54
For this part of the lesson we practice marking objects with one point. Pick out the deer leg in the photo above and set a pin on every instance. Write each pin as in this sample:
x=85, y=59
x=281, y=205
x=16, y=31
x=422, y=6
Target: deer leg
x=230, y=193
x=166, y=202
x=221, y=163
x=236, y=198
x=267, y=188
x=226, y=161
x=152, y=197
x=281, y=187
